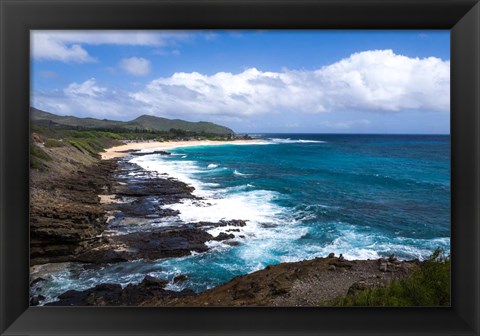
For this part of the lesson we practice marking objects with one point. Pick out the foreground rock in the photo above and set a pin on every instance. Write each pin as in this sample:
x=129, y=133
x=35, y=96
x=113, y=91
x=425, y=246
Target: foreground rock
x=114, y=295
x=304, y=283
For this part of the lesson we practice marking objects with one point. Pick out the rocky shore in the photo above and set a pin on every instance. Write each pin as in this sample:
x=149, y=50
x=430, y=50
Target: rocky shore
x=98, y=212
x=108, y=211
x=303, y=283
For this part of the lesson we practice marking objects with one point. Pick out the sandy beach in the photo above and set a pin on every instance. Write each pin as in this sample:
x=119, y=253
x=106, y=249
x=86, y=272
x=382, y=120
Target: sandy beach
x=121, y=151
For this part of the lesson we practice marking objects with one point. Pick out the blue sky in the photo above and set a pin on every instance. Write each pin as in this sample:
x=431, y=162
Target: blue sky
x=251, y=81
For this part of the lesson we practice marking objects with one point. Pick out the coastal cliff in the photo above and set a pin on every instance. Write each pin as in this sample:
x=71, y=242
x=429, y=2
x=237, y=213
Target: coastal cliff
x=96, y=212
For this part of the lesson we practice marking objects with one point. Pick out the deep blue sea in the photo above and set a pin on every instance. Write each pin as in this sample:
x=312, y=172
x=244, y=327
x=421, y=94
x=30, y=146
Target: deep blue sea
x=303, y=196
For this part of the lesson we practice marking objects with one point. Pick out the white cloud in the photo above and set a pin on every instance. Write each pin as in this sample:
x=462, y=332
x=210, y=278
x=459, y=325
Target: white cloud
x=85, y=99
x=87, y=88
x=136, y=66
x=44, y=47
x=68, y=46
x=377, y=81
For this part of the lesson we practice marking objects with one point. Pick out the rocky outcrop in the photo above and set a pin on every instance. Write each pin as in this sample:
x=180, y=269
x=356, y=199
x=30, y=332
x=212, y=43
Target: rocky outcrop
x=114, y=295
x=149, y=245
x=303, y=283
x=70, y=213
x=65, y=213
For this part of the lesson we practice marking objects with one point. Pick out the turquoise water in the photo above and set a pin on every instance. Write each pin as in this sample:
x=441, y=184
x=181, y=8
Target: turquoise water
x=303, y=196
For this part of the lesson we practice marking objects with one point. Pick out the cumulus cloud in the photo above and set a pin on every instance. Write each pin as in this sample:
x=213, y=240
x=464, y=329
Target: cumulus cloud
x=68, y=46
x=44, y=47
x=85, y=99
x=136, y=66
x=377, y=81
x=87, y=88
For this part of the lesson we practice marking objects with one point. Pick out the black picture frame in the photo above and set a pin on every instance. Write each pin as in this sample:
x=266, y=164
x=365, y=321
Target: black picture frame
x=18, y=17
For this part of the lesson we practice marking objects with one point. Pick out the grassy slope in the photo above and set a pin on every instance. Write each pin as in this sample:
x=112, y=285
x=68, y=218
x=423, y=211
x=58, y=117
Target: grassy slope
x=48, y=143
x=163, y=124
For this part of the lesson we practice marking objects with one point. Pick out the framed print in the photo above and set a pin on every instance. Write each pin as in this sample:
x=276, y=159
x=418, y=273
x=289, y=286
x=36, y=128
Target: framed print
x=222, y=167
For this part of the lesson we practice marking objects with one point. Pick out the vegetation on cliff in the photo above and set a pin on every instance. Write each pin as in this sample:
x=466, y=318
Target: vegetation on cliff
x=429, y=285
x=91, y=136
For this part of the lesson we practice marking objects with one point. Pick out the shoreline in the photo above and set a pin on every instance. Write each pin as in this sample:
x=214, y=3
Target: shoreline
x=302, y=283
x=124, y=150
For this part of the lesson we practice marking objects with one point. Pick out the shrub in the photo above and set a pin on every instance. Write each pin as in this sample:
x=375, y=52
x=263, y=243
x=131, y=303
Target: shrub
x=54, y=143
x=38, y=157
x=427, y=286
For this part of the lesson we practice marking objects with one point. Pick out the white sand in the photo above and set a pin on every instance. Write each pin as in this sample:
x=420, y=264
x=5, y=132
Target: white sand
x=115, y=152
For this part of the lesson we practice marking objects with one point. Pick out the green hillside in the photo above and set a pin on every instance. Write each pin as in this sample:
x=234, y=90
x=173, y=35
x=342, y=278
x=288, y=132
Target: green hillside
x=162, y=124
x=144, y=123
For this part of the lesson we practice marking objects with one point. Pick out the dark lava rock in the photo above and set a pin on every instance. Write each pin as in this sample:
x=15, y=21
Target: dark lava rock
x=180, y=278
x=35, y=300
x=223, y=236
x=36, y=281
x=150, y=153
x=150, y=245
x=114, y=295
x=221, y=223
x=144, y=184
x=150, y=281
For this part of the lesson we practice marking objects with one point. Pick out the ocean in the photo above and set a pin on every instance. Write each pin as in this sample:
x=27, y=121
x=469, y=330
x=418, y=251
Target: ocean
x=302, y=196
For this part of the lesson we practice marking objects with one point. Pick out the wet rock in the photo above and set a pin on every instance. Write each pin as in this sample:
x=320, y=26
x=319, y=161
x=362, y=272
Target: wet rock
x=36, y=300
x=331, y=255
x=223, y=236
x=36, y=281
x=159, y=152
x=269, y=225
x=150, y=281
x=180, y=278
x=221, y=223
x=114, y=295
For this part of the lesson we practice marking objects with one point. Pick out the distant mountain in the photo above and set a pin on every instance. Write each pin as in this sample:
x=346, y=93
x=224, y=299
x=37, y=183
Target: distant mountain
x=144, y=122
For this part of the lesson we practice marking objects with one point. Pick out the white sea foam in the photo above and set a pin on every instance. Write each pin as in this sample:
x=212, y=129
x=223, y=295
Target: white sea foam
x=236, y=172
x=256, y=207
x=180, y=170
x=290, y=141
x=212, y=166
x=354, y=243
